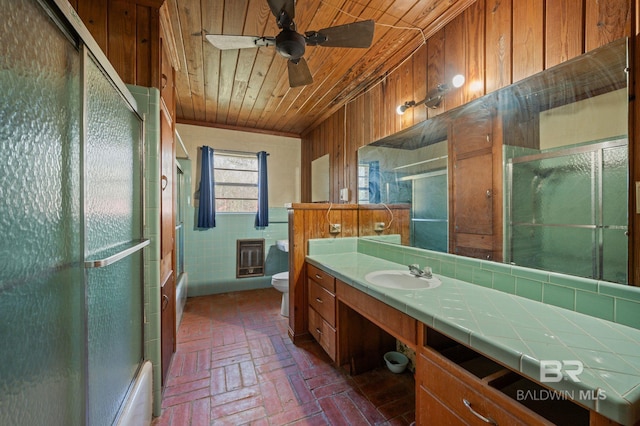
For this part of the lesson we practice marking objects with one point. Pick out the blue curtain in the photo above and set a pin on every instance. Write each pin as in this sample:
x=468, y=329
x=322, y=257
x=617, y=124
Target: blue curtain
x=207, y=209
x=374, y=182
x=262, y=217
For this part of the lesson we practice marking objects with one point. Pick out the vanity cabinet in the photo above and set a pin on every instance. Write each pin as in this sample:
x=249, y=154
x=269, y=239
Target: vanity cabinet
x=322, y=308
x=457, y=385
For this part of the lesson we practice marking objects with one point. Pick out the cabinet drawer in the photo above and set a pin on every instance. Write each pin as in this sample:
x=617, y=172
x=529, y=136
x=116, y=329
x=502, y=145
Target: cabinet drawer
x=323, y=301
x=467, y=403
x=323, y=333
x=321, y=277
x=433, y=412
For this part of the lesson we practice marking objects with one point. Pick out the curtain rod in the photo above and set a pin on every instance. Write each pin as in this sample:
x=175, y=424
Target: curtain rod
x=229, y=151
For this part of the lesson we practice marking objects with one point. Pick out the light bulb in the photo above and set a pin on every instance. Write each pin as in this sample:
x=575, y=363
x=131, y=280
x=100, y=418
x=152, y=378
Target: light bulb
x=401, y=109
x=457, y=80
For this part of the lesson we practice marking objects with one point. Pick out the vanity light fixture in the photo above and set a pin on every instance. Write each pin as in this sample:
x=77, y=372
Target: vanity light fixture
x=435, y=95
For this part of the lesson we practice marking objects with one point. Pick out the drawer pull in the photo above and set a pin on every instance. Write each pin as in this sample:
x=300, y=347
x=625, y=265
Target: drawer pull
x=319, y=300
x=478, y=415
x=318, y=276
x=318, y=331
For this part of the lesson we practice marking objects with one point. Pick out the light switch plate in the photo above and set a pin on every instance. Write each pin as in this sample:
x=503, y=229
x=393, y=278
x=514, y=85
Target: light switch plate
x=344, y=194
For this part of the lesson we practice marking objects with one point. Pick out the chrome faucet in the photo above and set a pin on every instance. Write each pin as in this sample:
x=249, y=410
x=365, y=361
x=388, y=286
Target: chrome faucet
x=414, y=269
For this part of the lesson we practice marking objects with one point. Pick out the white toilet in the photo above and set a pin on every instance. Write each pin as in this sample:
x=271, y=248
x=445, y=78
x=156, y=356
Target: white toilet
x=280, y=281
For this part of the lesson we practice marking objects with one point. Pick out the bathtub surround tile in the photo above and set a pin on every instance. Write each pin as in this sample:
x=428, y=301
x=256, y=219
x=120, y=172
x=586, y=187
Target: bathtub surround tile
x=235, y=364
x=148, y=104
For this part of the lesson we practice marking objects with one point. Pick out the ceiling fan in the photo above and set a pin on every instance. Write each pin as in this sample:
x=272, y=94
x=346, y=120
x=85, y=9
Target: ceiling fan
x=291, y=45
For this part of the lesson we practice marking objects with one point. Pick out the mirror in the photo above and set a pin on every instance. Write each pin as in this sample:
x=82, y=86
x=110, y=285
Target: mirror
x=320, y=179
x=555, y=190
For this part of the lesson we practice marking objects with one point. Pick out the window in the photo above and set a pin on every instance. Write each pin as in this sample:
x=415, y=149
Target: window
x=236, y=180
x=363, y=184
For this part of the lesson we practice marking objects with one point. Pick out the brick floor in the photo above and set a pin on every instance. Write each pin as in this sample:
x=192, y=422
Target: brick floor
x=236, y=365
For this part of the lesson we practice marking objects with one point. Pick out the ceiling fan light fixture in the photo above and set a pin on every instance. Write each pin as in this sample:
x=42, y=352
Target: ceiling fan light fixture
x=290, y=44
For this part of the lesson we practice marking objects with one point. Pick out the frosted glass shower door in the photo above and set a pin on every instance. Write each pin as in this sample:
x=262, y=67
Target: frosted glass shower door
x=112, y=237
x=568, y=211
x=41, y=274
x=429, y=218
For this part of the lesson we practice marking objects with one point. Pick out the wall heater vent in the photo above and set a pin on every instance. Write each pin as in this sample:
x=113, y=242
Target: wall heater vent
x=250, y=258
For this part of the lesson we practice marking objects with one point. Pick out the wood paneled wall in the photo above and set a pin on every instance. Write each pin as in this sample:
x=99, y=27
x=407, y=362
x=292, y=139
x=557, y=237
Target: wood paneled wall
x=128, y=32
x=311, y=220
x=493, y=43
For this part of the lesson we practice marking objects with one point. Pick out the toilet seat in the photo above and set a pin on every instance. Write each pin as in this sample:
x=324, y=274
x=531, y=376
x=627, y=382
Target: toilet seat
x=280, y=282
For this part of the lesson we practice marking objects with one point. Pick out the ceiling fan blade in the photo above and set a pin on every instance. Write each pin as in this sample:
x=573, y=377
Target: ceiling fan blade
x=278, y=6
x=299, y=74
x=356, y=34
x=226, y=42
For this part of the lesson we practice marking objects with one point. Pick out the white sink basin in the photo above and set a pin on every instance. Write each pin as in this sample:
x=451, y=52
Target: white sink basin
x=401, y=280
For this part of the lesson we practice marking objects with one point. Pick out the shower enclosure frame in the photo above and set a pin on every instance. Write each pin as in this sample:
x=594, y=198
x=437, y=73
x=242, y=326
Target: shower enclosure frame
x=66, y=20
x=597, y=208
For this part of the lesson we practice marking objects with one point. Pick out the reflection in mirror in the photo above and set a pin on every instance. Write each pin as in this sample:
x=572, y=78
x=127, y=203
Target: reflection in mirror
x=564, y=137
x=320, y=179
x=391, y=175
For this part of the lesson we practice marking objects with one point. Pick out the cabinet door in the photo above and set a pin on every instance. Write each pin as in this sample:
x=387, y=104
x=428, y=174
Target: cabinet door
x=476, y=187
x=168, y=323
x=473, y=195
x=472, y=133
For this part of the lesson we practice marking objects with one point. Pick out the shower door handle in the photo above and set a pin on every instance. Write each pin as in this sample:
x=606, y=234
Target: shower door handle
x=165, y=302
x=110, y=259
x=164, y=182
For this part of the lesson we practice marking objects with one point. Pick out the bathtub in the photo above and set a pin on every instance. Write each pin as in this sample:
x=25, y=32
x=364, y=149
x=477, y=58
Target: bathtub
x=181, y=298
x=137, y=410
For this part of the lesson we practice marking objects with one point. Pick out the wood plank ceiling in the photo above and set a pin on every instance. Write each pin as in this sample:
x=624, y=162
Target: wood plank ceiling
x=248, y=88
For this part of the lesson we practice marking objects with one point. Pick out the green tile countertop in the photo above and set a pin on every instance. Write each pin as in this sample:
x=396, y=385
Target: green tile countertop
x=518, y=332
